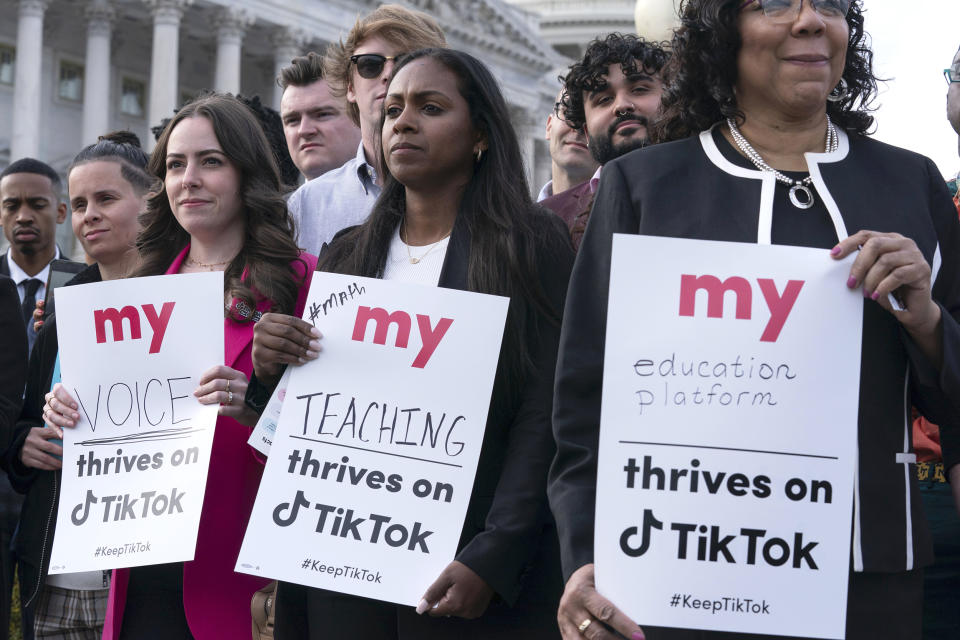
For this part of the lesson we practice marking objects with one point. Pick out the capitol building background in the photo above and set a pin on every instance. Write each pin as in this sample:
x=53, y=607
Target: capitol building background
x=71, y=70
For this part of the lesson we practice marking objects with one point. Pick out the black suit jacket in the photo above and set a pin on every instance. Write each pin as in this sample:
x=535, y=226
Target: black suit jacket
x=38, y=516
x=508, y=514
x=686, y=189
x=13, y=359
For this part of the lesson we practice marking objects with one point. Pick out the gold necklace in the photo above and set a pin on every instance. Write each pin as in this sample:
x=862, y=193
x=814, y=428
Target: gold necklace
x=206, y=265
x=417, y=260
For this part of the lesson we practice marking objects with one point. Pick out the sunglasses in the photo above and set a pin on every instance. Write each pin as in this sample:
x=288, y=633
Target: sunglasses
x=952, y=75
x=789, y=10
x=370, y=65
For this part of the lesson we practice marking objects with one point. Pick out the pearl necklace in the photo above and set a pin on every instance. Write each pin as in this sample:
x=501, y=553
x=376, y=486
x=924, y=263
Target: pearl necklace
x=796, y=186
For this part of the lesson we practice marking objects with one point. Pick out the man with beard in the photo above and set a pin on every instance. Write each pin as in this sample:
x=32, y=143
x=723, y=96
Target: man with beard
x=611, y=94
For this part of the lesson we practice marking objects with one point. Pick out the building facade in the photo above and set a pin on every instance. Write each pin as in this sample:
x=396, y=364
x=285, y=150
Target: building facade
x=71, y=70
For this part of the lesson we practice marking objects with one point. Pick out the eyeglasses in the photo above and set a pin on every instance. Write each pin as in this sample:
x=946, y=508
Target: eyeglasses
x=789, y=10
x=370, y=65
x=952, y=75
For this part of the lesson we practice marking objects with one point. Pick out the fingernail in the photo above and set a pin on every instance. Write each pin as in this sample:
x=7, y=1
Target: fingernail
x=638, y=635
x=851, y=282
x=315, y=332
x=314, y=345
x=76, y=416
x=866, y=294
x=310, y=354
x=300, y=360
x=422, y=606
x=874, y=295
x=834, y=252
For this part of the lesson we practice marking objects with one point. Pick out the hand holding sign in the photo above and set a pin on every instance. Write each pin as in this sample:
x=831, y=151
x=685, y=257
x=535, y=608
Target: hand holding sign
x=60, y=409
x=279, y=339
x=226, y=386
x=582, y=602
x=891, y=264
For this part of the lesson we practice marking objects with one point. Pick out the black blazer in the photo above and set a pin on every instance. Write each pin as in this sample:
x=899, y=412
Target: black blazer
x=38, y=516
x=508, y=513
x=686, y=189
x=13, y=358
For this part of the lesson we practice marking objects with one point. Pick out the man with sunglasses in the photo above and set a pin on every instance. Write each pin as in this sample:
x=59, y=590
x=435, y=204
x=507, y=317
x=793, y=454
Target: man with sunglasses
x=359, y=70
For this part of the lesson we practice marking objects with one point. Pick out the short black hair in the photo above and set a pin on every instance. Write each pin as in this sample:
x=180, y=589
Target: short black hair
x=32, y=165
x=303, y=71
x=633, y=53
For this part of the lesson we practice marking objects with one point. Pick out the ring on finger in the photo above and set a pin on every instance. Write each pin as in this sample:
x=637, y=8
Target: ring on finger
x=229, y=397
x=583, y=625
x=228, y=386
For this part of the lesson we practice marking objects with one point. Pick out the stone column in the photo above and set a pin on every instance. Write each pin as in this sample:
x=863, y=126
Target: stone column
x=231, y=23
x=288, y=43
x=528, y=132
x=164, y=60
x=25, y=140
x=96, y=82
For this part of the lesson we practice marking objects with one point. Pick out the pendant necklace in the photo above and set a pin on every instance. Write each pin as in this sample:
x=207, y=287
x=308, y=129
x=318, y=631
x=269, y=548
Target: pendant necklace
x=800, y=194
x=417, y=259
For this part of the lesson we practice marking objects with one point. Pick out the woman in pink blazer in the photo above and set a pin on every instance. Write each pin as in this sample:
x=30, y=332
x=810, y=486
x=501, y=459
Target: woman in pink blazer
x=221, y=209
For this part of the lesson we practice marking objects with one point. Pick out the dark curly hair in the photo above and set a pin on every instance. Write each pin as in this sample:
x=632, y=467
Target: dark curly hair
x=268, y=245
x=635, y=55
x=703, y=72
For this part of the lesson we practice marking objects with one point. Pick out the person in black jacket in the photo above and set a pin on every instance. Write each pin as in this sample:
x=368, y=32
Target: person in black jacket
x=763, y=139
x=108, y=185
x=456, y=212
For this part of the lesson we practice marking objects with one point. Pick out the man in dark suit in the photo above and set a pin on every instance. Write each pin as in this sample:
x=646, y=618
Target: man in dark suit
x=30, y=210
x=13, y=373
x=611, y=94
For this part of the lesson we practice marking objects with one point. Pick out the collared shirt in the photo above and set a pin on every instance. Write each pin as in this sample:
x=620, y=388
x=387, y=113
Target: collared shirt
x=545, y=191
x=18, y=275
x=333, y=201
x=595, y=180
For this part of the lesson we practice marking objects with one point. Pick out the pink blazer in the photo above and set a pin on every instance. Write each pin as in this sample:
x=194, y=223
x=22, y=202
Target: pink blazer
x=215, y=598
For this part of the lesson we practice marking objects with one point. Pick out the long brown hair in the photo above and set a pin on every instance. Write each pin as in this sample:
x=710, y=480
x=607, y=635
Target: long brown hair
x=268, y=245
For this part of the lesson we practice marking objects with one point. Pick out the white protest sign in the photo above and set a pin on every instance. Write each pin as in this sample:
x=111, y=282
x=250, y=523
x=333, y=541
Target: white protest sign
x=135, y=466
x=373, y=461
x=728, y=436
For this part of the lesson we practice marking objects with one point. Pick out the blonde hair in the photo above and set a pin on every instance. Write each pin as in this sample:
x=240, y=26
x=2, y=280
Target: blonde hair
x=406, y=29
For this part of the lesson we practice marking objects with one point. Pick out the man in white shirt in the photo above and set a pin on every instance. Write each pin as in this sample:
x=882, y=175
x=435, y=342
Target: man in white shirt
x=359, y=69
x=30, y=210
x=320, y=135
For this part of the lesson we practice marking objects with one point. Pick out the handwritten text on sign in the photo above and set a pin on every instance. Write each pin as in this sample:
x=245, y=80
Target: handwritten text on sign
x=728, y=436
x=135, y=466
x=376, y=448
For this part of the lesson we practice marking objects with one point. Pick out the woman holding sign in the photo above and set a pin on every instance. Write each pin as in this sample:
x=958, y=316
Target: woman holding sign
x=108, y=185
x=221, y=208
x=768, y=113
x=456, y=212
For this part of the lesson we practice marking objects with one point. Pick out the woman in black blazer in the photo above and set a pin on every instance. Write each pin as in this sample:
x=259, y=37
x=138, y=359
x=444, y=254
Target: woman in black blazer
x=455, y=212
x=759, y=87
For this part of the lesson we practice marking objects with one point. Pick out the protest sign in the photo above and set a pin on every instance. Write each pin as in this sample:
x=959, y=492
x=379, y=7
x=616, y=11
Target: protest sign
x=728, y=436
x=135, y=466
x=374, y=456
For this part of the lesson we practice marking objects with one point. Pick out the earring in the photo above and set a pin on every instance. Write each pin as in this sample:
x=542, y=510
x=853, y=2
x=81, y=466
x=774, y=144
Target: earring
x=839, y=92
x=479, y=155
